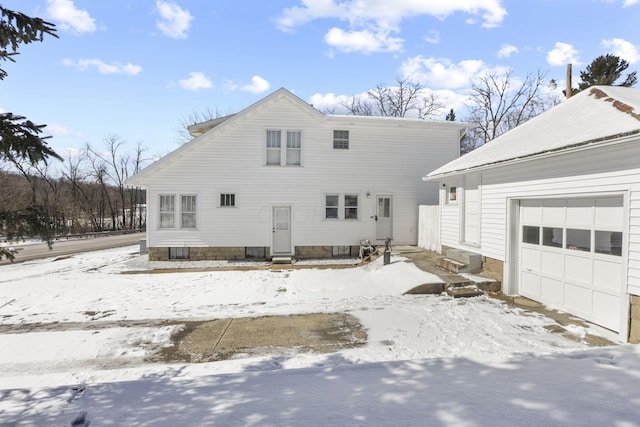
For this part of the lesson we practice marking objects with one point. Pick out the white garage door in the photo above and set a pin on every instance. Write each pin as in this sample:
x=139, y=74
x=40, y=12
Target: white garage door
x=571, y=256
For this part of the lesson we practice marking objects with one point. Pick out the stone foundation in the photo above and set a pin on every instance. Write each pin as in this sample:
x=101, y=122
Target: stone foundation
x=634, y=320
x=241, y=253
x=493, y=266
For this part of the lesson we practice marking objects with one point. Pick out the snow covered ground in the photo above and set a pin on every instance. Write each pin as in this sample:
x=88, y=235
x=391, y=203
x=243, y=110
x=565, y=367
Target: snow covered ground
x=429, y=360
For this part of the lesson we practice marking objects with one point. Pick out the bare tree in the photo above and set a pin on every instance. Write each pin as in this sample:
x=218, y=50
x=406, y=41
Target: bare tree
x=197, y=117
x=405, y=98
x=500, y=102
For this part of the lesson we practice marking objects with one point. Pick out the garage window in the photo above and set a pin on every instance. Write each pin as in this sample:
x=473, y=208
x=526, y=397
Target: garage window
x=579, y=240
x=531, y=234
x=552, y=236
x=608, y=242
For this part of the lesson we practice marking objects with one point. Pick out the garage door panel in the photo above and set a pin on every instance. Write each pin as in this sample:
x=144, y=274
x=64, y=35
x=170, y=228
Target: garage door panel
x=553, y=263
x=605, y=310
x=530, y=259
x=578, y=298
x=609, y=211
x=531, y=211
x=577, y=268
x=553, y=211
x=607, y=274
x=579, y=211
x=551, y=290
x=530, y=284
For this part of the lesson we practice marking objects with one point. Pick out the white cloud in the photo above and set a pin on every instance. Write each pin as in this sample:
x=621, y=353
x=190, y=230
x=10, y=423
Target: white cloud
x=68, y=17
x=174, y=21
x=372, y=21
x=55, y=129
x=103, y=67
x=363, y=41
x=433, y=37
x=441, y=72
x=563, y=54
x=258, y=85
x=623, y=49
x=507, y=50
x=196, y=81
x=627, y=3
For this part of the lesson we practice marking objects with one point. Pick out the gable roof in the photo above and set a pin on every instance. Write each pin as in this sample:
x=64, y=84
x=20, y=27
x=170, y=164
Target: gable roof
x=202, y=130
x=598, y=115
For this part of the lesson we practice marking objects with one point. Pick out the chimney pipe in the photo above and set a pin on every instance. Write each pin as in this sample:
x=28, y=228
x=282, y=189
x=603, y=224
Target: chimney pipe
x=568, y=93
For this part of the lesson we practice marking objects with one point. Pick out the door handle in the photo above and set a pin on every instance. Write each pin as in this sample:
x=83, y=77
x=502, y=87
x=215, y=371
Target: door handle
x=376, y=217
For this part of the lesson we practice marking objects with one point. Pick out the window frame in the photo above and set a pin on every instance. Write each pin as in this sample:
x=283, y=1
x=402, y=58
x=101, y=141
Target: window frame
x=270, y=147
x=289, y=149
x=341, y=143
x=162, y=212
x=349, y=208
x=227, y=199
x=327, y=206
x=193, y=212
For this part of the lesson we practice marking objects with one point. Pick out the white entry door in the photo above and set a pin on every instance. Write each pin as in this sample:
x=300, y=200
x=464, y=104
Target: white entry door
x=383, y=217
x=281, y=230
x=571, y=256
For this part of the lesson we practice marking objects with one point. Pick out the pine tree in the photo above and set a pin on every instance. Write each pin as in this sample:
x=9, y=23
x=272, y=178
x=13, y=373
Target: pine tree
x=20, y=139
x=606, y=70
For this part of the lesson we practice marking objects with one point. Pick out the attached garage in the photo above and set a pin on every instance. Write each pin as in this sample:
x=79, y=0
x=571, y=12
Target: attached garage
x=570, y=256
x=556, y=202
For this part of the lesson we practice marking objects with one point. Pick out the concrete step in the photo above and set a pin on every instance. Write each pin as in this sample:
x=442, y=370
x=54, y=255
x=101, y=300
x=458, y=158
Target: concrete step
x=464, y=261
x=451, y=265
x=281, y=260
x=463, y=290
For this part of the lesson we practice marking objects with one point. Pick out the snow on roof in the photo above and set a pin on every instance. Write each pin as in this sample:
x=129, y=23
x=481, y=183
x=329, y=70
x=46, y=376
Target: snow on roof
x=597, y=114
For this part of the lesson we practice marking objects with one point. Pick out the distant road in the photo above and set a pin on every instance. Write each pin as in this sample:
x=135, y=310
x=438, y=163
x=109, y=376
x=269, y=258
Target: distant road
x=66, y=247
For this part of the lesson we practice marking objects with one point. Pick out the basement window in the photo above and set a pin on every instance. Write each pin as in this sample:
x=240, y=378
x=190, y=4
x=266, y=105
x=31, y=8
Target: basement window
x=179, y=253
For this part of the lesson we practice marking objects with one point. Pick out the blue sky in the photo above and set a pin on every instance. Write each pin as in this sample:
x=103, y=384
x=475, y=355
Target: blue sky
x=137, y=68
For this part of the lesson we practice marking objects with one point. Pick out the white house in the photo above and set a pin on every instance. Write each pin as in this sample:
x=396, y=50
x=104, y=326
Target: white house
x=555, y=205
x=280, y=178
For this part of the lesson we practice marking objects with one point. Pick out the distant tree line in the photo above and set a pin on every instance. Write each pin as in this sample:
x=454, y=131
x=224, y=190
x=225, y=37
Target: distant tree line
x=85, y=193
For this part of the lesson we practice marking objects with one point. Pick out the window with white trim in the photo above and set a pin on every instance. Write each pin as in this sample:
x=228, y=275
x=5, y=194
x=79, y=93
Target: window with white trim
x=167, y=209
x=340, y=139
x=227, y=200
x=341, y=206
x=273, y=147
x=188, y=211
x=331, y=206
x=350, y=206
x=294, y=145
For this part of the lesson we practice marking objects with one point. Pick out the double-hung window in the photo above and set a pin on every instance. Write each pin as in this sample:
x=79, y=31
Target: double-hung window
x=188, y=211
x=341, y=206
x=293, y=147
x=167, y=208
x=273, y=147
x=332, y=206
x=350, y=206
x=290, y=153
x=340, y=139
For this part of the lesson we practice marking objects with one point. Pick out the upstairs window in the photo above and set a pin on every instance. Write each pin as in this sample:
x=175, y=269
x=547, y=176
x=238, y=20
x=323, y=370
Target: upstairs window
x=340, y=139
x=273, y=147
x=167, y=210
x=294, y=144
